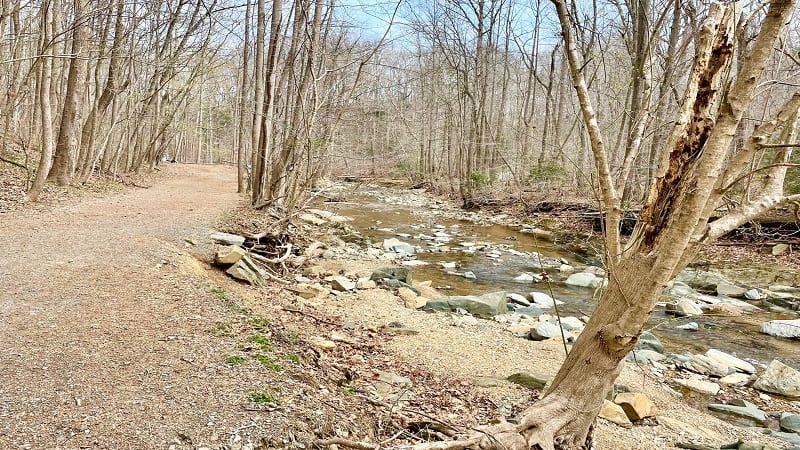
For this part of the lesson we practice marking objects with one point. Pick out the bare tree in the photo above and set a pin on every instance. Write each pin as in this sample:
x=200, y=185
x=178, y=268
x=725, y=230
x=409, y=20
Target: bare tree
x=67, y=140
x=43, y=93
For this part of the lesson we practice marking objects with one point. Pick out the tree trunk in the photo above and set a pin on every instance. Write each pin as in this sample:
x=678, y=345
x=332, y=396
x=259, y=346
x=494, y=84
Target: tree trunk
x=111, y=89
x=44, y=87
x=673, y=225
x=258, y=160
x=242, y=181
x=67, y=143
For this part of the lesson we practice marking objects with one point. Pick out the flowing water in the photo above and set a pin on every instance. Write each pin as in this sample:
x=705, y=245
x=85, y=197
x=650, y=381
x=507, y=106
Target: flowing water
x=378, y=219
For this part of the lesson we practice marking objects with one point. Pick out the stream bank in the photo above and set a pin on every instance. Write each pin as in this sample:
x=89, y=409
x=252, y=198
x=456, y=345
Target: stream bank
x=359, y=273
x=461, y=253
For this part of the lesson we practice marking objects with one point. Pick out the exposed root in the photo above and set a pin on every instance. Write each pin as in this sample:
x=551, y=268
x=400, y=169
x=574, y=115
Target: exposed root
x=552, y=425
x=441, y=445
x=548, y=428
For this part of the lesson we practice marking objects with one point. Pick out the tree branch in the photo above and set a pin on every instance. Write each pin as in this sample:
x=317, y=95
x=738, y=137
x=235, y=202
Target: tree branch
x=14, y=163
x=779, y=145
x=609, y=192
x=743, y=214
x=741, y=159
x=747, y=174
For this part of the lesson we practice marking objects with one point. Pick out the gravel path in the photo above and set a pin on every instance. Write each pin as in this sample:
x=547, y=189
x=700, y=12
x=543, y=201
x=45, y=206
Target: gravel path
x=102, y=334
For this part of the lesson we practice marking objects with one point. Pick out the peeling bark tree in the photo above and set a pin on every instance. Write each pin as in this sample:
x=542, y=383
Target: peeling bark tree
x=673, y=226
x=698, y=165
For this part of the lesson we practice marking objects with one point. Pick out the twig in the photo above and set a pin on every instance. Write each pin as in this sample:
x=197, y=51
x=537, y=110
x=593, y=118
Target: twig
x=14, y=163
x=303, y=313
x=347, y=443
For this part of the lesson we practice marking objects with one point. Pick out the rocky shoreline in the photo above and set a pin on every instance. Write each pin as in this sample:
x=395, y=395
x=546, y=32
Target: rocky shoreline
x=348, y=265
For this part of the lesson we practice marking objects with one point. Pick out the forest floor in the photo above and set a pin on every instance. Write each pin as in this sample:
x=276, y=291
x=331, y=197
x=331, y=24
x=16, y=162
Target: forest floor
x=117, y=332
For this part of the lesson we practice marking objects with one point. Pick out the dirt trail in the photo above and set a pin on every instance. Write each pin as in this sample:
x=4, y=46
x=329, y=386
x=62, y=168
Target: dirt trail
x=102, y=336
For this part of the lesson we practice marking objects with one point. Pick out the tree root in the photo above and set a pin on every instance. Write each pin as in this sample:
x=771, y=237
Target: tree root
x=539, y=430
x=441, y=445
x=551, y=424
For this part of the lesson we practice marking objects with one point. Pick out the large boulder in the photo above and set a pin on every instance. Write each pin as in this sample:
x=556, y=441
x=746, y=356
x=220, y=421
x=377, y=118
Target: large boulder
x=679, y=289
x=782, y=328
x=779, y=379
x=735, y=379
x=728, y=289
x=518, y=299
x=484, y=306
x=546, y=330
x=698, y=385
x=700, y=280
x=705, y=366
x=544, y=300
x=642, y=356
x=571, y=323
x=792, y=438
x=649, y=341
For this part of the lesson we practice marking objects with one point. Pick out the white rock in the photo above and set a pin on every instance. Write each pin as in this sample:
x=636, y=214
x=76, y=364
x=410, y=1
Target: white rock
x=704, y=365
x=524, y=278
x=753, y=294
x=544, y=300
x=414, y=263
x=735, y=379
x=730, y=361
x=779, y=379
x=573, y=322
x=342, y=284
x=684, y=307
x=448, y=265
x=782, y=328
x=583, y=279
x=469, y=275
x=518, y=299
x=698, y=385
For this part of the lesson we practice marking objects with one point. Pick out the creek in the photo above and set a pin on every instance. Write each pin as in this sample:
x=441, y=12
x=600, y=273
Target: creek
x=382, y=213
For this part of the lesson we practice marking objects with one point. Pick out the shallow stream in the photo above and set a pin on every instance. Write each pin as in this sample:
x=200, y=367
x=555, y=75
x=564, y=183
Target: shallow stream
x=378, y=217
